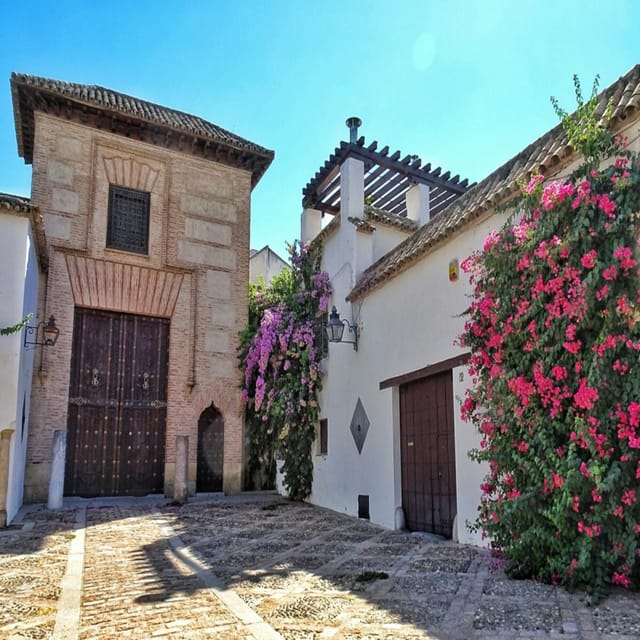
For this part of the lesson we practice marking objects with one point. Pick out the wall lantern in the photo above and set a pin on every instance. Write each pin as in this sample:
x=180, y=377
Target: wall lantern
x=335, y=329
x=47, y=338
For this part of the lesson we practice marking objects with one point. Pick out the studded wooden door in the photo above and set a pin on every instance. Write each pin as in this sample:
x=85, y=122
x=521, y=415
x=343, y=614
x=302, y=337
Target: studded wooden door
x=427, y=448
x=117, y=405
x=210, y=450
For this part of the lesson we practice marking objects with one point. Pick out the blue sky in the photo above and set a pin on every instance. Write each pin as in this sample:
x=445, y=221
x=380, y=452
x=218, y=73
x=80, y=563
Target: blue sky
x=463, y=84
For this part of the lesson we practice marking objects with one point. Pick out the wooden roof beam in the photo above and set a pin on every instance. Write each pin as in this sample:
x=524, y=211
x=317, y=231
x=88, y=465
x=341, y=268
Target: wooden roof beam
x=330, y=193
x=398, y=200
x=385, y=182
x=391, y=195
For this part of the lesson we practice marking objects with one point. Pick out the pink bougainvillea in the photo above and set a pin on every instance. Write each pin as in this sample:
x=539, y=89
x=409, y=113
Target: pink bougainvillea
x=557, y=308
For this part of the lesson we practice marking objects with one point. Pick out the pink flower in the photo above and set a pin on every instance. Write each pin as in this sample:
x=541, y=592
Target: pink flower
x=607, y=205
x=621, y=579
x=629, y=497
x=625, y=256
x=586, y=396
x=622, y=305
x=533, y=183
x=588, y=260
x=603, y=292
x=554, y=193
x=557, y=481
x=491, y=240
x=559, y=373
x=572, y=347
x=573, y=566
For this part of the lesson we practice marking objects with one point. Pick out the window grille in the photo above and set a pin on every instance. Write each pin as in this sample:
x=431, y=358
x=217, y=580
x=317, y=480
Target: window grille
x=128, y=221
x=323, y=439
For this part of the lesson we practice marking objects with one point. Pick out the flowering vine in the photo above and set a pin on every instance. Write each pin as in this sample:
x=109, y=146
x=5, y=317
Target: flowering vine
x=280, y=356
x=554, y=335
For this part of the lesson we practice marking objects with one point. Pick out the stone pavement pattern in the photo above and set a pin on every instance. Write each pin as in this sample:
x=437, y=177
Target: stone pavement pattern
x=257, y=567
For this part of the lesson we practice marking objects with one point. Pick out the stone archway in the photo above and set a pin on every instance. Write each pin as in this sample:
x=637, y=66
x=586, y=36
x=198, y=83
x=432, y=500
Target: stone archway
x=210, y=450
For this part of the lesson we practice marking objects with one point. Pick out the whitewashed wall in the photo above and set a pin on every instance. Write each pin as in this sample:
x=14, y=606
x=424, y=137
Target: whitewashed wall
x=409, y=323
x=18, y=295
x=386, y=238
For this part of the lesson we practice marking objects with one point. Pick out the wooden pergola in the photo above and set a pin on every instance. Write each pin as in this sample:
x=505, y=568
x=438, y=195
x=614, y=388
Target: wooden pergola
x=387, y=178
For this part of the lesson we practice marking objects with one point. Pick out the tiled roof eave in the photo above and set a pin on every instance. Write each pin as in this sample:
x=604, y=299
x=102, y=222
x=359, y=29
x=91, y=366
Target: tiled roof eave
x=551, y=150
x=132, y=117
x=390, y=220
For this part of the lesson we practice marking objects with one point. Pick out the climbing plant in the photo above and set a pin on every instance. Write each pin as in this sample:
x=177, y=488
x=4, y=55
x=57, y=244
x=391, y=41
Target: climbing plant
x=554, y=334
x=280, y=355
x=6, y=331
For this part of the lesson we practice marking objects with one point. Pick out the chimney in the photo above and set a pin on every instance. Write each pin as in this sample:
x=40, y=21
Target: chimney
x=353, y=123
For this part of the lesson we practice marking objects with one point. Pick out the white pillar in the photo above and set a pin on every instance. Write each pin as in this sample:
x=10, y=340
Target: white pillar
x=180, y=485
x=56, y=481
x=417, y=199
x=310, y=224
x=351, y=189
x=352, y=206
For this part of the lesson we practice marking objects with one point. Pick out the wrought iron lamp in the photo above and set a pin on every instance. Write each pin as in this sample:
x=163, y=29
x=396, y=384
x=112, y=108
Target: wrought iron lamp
x=335, y=329
x=45, y=338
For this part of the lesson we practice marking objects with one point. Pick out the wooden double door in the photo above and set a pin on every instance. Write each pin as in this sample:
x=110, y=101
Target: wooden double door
x=427, y=445
x=117, y=410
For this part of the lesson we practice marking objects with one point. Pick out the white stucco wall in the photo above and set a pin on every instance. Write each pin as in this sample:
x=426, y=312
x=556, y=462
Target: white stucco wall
x=406, y=325
x=386, y=238
x=18, y=296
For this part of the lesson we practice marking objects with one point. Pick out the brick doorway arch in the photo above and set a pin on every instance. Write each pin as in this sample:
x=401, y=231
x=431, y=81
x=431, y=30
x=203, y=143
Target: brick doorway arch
x=210, y=450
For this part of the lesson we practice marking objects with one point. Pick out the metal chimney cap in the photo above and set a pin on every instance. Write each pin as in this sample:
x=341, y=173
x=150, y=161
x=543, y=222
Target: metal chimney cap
x=353, y=123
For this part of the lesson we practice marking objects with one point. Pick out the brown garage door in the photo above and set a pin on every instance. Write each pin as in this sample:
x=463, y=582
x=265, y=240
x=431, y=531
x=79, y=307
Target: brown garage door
x=117, y=404
x=428, y=454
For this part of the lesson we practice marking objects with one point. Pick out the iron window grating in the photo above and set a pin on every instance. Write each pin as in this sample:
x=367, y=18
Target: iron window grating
x=128, y=220
x=323, y=444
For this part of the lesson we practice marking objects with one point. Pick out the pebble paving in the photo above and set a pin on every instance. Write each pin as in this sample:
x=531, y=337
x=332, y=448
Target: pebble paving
x=256, y=567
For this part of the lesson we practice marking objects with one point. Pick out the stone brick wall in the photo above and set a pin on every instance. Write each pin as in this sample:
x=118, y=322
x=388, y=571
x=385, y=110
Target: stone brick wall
x=195, y=273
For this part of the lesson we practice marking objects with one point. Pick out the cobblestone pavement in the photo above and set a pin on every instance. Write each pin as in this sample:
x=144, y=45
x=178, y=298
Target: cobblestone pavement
x=257, y=567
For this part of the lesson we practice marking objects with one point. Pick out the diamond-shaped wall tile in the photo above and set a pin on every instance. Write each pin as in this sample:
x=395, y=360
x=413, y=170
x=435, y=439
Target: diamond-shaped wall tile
x=359, y=425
